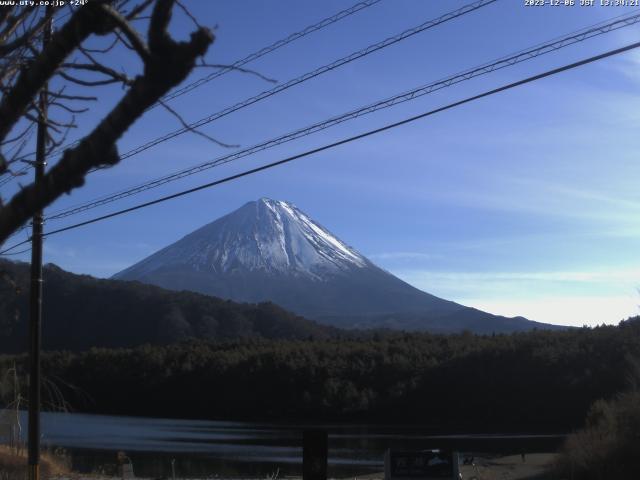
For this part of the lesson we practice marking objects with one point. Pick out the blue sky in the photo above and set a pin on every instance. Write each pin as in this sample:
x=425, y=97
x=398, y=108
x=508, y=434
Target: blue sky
x=525, y=203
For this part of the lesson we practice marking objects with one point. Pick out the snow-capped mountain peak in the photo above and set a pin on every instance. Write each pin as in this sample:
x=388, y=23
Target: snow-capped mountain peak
x=309, y=243
x=269, y=250
x=267, y=235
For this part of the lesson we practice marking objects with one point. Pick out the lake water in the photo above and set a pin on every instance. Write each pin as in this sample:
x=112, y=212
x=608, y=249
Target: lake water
x=209, y=448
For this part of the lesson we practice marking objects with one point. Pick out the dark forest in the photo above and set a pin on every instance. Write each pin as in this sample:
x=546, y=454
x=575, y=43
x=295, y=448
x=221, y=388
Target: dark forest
x=534, y=381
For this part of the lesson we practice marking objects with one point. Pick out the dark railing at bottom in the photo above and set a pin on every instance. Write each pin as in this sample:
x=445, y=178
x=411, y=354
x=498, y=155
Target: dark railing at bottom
x=315, y=447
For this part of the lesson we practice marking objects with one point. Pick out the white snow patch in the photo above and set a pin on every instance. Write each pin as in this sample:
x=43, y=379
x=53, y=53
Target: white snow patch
x=270, y=236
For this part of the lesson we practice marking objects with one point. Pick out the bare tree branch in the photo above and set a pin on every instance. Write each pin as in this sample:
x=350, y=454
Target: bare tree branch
x=5, y=11
x=132, y=35
x=13, y=22
x=102, y=50
x=133, y=14
x=24, y=38
x=72, y=97
x=194, y=130
x=188, y=14
x=86, y=20
x=67, y=108
x=87, y=83
x=238, y=69
x=53, y=144
x=17, y=149
x=123, y=40
x=169, y=63
x=99, y=68
x=18, y=136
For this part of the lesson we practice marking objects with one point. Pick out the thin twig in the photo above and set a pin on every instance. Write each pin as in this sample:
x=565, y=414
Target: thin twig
x=133, y=15
x=132, y=35
x=238, y=69
x=193, y=130
x=188, y=14
x=87, y=83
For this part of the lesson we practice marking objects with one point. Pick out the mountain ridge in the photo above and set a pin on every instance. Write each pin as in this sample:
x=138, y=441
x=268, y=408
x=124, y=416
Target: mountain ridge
x=269, y=250
x=273, y=247
x=82, y=312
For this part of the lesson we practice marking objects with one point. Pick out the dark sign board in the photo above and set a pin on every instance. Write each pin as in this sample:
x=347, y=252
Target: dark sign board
x=424, y=465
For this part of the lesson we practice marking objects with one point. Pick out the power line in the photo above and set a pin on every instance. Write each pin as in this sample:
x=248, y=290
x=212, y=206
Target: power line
x=313, y=74
x=19, y=231
x=523, y=55
x=6, y=179
x=307, y=76
x=4, y=252
x=274, y=46
x=12, y=175
x=249, y=58
x=390, y=126
x=310, y=75
x=23, y=228
x=17, y=253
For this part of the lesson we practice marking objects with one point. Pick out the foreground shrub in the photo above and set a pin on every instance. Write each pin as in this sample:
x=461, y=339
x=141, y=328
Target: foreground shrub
x=13, y=464
x=609, y=445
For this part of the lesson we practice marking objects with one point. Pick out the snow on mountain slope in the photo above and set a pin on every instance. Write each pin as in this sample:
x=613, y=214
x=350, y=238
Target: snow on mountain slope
x=268, y=235
x=269, y=250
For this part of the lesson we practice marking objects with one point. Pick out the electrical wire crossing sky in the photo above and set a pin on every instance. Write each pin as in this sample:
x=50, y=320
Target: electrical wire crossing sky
x=521, y=203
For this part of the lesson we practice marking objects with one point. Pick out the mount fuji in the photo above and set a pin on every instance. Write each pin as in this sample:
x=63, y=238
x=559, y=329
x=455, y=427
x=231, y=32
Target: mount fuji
x=269, y=250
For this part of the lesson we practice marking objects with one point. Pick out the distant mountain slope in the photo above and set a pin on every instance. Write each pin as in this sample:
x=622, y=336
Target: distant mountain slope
x=270, y=250
x=470, y=319
x=82, y=312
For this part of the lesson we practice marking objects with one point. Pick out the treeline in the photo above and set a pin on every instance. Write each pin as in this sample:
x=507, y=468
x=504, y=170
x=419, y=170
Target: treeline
x=83, y=312
x=609, y=444
x=535, y=381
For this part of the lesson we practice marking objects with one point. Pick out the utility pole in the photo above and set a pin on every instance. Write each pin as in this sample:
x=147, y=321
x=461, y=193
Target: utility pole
x=35, y=295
